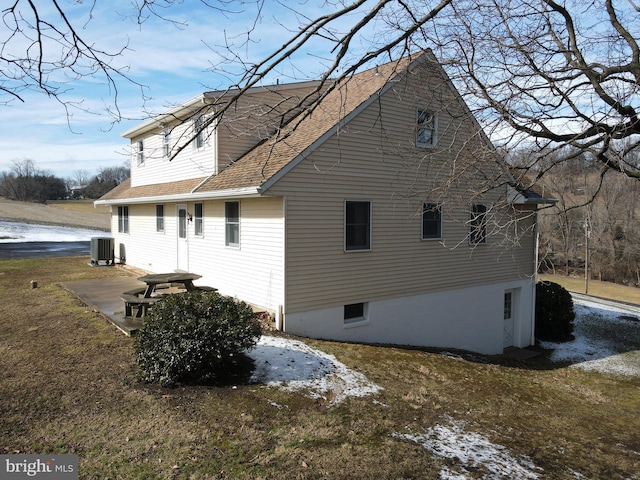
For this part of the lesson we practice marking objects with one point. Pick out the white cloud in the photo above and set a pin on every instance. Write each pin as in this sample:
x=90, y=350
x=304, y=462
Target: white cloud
x=172, y=62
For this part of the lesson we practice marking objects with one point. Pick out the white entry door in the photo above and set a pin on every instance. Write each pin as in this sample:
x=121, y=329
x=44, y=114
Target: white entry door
x=182, y=239
x=509, y=321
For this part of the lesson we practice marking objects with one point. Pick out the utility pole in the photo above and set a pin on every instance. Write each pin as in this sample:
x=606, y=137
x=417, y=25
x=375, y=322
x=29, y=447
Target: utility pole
x=587, y=234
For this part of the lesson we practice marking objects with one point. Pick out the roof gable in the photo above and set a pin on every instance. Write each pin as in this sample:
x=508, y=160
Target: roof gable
x=273, y=158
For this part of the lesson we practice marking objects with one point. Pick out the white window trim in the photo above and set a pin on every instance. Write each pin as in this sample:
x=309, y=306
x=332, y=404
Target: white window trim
x=232, y=245
x=121, y=220
x=164, y=218
x=166, y=143
x=195, y=220
x=357, y=321
x=434, y=136
x=140, y=152
x=199, y=140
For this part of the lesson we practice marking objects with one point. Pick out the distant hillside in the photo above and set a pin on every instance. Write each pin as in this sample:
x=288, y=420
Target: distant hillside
x=73, y=213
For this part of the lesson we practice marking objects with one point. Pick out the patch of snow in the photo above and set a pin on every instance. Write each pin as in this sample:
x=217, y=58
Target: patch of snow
x=472, y=451
x=603, y=341
x=11, y=232
x=294, y=366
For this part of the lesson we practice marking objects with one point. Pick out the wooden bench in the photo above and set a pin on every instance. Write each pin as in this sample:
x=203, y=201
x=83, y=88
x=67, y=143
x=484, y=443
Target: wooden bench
x=204, y=288
x=133, y=299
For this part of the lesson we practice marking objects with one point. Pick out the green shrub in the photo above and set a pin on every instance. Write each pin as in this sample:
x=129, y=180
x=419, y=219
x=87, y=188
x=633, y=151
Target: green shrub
x=554, y=313
x=194, y=337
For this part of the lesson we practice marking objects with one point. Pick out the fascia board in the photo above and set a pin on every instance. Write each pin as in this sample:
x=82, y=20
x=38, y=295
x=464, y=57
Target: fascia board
x=244, y=192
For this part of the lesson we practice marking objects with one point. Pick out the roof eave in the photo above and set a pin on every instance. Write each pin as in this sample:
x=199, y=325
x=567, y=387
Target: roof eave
x=189, y=107
x=244, y=192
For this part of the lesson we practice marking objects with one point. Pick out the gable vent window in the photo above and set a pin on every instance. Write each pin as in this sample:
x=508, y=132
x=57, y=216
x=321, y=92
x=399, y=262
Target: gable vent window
x=426, y=128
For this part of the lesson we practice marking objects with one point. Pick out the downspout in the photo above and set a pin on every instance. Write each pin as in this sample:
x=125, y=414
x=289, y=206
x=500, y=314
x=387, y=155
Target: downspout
x=280, y=312
x=534, y=278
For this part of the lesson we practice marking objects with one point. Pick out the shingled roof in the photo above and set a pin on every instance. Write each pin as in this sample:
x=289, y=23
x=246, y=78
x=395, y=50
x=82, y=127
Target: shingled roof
x=272, y=158
x=269, y=160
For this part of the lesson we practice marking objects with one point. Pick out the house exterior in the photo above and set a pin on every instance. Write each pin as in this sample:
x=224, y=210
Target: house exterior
x=376, y=211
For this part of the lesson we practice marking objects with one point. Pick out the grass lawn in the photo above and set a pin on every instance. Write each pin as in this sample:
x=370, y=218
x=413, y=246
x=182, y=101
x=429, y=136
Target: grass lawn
x=599, y=289
x=69, y=385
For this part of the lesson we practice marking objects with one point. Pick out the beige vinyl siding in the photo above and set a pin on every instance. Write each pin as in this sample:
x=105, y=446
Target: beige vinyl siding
x=374, y=158
x=255, y=271
x=320, y=273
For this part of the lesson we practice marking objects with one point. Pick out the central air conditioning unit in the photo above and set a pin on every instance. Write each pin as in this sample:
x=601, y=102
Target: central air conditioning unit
x=101, y=250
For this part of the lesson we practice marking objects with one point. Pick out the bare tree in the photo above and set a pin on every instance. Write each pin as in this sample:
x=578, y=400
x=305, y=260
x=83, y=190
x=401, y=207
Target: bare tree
x=80, y=178
x=549, y=73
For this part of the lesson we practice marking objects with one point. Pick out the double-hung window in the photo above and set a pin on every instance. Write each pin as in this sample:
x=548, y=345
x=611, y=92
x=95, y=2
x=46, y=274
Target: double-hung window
x=123, y=219
x=426, y=128
x=140, y=152
x=431, y=221
x=478, y=224
x=159, y=218
x=166, y=142
x=357, y=225
x=232, y=224
x=198, y=219
x=198, y=132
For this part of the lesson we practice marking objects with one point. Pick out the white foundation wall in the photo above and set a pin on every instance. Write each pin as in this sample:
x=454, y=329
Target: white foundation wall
x=467, y=319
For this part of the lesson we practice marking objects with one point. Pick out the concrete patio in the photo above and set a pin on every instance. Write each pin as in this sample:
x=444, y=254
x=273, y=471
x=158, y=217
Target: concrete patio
x=103, y=295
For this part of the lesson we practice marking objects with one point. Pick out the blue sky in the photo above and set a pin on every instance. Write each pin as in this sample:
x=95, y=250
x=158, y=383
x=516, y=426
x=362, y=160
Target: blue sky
x=171, y=61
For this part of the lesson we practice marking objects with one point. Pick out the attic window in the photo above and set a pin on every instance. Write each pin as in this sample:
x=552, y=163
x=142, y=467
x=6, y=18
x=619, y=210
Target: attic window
x=426, y=128
x=198, y=132
x=166, y=142
x=140, y=152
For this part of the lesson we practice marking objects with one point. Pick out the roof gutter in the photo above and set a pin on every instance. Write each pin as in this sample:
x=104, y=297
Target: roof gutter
x=245, y=192
x=517, y=197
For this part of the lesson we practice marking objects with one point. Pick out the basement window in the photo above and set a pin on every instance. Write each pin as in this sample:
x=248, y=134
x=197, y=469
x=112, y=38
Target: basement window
x=355, y=314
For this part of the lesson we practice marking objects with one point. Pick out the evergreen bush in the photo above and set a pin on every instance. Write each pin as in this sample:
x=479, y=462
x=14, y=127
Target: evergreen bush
x=195, y=337
x=554, y=313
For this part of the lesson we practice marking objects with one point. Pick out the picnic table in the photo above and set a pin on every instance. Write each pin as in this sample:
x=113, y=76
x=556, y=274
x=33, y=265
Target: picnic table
x=142, y=299
x=155, y=279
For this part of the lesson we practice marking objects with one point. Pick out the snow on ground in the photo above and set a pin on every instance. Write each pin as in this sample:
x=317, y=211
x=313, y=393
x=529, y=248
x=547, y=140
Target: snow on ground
x=25, y=232
x=471, y=451
x=607, y=339
x=295, y=366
